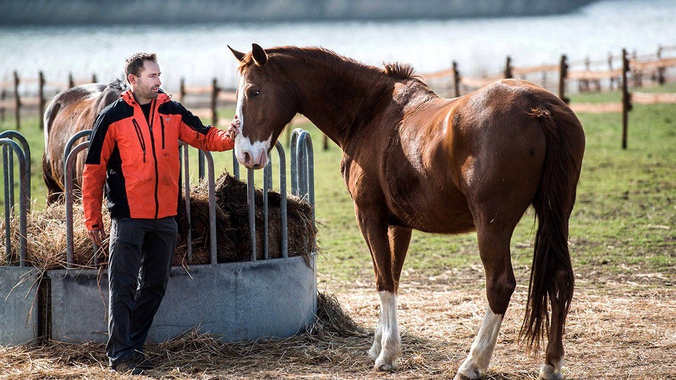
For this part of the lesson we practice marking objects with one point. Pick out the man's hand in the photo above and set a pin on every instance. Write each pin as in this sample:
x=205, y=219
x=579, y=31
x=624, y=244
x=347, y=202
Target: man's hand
x=97, y=236
x=234, y=128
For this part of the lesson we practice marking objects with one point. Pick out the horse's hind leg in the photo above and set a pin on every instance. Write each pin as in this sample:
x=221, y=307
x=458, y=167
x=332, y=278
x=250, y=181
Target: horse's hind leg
x=500, y=284
x=54, y=191
x=551, y=370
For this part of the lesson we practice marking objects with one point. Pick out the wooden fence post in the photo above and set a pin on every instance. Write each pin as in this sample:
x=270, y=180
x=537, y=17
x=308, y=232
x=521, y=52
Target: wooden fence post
x=181, y=90
x=456, y=79
x=94, y=78
x=71, y=81
x=563, y=75
x=636, y=75
x=610, y=69
x=214, y=102
x=544, y=79
x=626, y=98
x=660, y=69
x=17, y=98
x=41, y=94
x=508, y=68
x=3, y=95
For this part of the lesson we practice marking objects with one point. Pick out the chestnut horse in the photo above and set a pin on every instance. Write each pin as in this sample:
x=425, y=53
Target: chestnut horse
x=71, y=111
x=412, y=160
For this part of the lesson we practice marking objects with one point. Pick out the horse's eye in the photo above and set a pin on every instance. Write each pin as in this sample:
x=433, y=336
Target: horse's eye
x=253, y=93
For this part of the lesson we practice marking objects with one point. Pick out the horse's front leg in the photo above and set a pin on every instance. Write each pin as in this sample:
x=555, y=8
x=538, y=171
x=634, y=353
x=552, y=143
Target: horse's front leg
x=388, y=248
x=386, y=346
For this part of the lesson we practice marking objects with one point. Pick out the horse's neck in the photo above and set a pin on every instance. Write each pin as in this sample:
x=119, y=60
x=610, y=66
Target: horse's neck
x=338, y=101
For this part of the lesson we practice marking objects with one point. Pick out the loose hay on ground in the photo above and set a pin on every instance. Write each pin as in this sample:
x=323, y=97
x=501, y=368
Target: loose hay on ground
x=611, y=334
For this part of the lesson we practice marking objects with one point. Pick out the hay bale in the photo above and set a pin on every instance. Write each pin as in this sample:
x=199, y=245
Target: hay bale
x=47, y=229
x=46, y=239
x=233, y=238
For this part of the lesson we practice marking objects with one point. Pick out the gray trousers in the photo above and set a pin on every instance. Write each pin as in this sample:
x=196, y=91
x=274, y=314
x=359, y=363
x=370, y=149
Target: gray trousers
x=141, y=252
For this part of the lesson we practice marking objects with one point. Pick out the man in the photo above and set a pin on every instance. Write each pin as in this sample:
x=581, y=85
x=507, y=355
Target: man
x=134, y=152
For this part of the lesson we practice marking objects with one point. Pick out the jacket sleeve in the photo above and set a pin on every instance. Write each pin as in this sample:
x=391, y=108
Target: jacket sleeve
x=94, y=174
x=201, y=136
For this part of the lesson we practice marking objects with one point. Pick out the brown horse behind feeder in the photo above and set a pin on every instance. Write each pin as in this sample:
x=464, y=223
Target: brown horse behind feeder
x=71, y=111
x=412, y=160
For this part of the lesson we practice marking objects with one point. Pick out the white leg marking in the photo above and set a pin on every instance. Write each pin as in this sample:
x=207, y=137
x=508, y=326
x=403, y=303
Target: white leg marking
x=377, y=336
x=387, y=334
x=549, y=372
x=480, y=353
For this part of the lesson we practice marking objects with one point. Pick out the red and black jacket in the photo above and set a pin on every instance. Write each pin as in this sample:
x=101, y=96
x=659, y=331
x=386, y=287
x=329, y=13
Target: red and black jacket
x=138, y=160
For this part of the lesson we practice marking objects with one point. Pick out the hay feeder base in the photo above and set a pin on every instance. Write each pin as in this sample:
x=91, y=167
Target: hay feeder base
x=240, y=301
x=18, y=305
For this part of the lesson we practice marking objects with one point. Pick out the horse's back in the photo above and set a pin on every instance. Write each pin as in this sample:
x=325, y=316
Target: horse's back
x=69, y=112
x=506, y=116
x=73, y=102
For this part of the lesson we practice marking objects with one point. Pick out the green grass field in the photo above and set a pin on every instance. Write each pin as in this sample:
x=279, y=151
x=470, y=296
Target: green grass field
x=624, y=216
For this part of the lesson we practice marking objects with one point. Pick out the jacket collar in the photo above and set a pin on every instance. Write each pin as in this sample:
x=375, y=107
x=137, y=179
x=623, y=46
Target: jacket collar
x=128, y=97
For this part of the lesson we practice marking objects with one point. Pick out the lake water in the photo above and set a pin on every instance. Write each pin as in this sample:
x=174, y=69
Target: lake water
x=199, y=52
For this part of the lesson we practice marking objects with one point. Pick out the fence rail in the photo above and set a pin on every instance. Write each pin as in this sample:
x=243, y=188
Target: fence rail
x=588, y=75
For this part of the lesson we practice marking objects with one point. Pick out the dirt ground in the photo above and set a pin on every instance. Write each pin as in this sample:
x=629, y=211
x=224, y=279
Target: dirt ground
x=620, y=327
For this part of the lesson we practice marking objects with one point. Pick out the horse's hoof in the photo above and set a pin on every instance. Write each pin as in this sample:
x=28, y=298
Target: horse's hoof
x=467, y=375
x=383, y=366
x=460, y=376
x=548, y=372
x=468, y=371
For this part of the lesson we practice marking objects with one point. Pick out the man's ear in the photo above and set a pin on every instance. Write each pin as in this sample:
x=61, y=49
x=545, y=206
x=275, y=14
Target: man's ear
x=259, y=55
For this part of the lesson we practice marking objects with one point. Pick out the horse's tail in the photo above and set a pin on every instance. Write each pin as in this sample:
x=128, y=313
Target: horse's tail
x=49, y=116
x=53, y=187
x=551, y=272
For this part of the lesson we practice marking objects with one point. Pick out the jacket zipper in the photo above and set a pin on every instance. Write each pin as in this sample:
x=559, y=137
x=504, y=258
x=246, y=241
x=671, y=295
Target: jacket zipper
x=162, y=124
x=139, y=135
x=152, y=143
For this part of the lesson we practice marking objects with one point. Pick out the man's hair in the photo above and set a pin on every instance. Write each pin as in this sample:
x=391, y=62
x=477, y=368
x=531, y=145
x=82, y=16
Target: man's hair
x=134, y=64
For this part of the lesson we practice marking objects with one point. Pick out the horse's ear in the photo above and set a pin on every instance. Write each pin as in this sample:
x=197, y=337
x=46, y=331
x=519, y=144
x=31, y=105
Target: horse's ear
x=259, y=55
x=238, y=54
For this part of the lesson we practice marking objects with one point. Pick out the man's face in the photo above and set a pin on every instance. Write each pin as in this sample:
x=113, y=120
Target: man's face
x=147, y=84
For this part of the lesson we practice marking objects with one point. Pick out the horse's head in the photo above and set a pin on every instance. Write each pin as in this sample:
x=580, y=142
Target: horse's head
x=266, y=102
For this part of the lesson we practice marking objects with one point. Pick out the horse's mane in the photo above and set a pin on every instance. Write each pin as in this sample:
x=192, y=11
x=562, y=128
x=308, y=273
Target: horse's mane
x=118, y=84
x=400, y=71
x=329, y=57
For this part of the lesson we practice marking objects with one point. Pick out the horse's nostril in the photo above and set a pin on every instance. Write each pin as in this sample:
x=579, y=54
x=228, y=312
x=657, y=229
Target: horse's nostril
x=247, y=158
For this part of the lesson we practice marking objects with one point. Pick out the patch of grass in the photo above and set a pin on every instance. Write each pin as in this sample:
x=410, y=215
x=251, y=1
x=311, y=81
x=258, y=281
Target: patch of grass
x=616, y=95
x=35, y=138
x=626, y=206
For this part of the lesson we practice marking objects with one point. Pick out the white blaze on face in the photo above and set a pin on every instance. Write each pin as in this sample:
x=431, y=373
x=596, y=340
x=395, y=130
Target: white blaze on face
x=252, y=154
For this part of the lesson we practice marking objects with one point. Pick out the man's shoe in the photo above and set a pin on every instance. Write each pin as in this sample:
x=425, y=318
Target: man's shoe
x=143, y=361
x=128, y=366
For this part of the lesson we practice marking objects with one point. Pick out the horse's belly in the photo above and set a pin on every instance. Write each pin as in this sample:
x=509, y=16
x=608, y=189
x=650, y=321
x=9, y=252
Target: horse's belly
x=445, y=212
